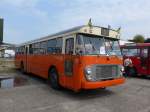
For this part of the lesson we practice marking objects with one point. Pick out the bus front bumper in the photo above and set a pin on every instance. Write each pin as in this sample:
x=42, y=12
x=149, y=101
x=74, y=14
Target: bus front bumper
x=102, y=84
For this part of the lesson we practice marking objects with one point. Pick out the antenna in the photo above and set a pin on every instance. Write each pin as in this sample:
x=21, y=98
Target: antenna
x=119, y=29
x=119, y=34
x=90, y=23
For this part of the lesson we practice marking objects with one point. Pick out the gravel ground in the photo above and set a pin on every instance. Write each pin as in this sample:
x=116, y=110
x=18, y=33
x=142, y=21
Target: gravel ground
x=37, y=96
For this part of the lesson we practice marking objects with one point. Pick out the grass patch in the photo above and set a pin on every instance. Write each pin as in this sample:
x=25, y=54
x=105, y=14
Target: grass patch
x=7, y=65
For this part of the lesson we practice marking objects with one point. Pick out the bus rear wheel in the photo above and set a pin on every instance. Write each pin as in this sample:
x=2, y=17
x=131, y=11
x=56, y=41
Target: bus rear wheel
x=22, y=68
x=53, y=78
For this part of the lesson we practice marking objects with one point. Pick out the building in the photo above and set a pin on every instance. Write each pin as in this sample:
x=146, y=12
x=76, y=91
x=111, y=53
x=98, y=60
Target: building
x=7, y=50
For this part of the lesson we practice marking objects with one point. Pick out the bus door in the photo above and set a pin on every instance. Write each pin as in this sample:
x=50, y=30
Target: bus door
x=26, y=58
x=69, y=61
x=144, y=61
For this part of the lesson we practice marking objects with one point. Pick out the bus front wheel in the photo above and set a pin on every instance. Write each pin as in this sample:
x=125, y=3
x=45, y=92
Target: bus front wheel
x=131, y=71
x=53, y=78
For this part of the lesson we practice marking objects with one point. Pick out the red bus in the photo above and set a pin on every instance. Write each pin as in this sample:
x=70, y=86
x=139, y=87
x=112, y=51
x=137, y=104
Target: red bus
x=136, y=59
x=84, y=57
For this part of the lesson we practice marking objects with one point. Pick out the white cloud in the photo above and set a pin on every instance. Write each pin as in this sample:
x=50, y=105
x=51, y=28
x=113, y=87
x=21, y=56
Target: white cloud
x=21, y=3
x=133, y=16
x=26, y=13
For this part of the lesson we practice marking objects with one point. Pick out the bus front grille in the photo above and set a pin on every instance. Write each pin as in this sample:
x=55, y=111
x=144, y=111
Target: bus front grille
x=106, y=71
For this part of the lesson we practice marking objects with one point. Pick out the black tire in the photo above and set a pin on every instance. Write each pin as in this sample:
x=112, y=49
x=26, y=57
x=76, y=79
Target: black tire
x=131, y=71
x=53, y=78
x=103, y=88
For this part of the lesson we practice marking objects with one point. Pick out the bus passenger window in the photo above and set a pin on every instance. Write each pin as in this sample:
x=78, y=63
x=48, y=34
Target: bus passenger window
x=145, y=53
x=69, y=46
x=30, y=49
x=36, y=47
x=43, y=47
x=51, y=45
x=59, y=45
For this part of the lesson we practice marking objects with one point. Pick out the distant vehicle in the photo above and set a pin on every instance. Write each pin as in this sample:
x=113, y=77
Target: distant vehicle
x=136, y=59
x=84, y=57
x=9, y=53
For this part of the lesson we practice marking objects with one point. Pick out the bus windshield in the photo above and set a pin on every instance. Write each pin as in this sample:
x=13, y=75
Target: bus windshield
x=95, y=45
x=130, y=51
x=112, y=47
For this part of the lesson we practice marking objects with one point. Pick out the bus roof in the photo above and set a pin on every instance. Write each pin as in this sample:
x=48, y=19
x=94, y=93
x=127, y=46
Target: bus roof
x=94, y=30
x=137, y=45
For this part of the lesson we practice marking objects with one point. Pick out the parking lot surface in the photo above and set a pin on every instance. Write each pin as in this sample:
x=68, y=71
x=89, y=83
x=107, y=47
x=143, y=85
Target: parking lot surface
x=36, y=96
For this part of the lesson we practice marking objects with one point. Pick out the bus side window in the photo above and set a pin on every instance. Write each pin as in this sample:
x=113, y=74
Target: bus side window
x=69, y=46
x=138, y=52
x=43, y=47
x=59, y=45
x=144, y=53
x=51, y=46
x=30, y=49
x=36, y=47
x=16, y=50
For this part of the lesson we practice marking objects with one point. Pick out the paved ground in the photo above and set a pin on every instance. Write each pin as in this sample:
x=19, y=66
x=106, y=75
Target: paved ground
x=37, y=96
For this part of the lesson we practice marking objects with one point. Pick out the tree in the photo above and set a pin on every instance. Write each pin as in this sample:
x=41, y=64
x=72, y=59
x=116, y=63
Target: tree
x=138, y=39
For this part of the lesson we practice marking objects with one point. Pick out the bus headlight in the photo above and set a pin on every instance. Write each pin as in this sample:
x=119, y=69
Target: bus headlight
x=88, y=70
x=88, y=73
x=122, y=68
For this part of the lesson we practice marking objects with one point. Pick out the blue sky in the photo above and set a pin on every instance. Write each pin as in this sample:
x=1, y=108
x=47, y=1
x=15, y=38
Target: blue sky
x=30, y=19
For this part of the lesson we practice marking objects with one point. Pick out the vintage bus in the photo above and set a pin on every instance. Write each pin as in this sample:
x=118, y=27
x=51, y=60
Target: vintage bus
x=136, y=59
x=83, y=57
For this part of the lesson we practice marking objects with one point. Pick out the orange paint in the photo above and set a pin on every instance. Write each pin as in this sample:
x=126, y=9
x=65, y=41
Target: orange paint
x=40, y=64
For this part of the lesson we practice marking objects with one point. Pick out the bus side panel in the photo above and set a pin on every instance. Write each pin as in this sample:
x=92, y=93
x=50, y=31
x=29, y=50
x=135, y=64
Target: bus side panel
x=40, y=65
x=19, y=59
x=77, y=73
x=100, y=60
x=81, y=62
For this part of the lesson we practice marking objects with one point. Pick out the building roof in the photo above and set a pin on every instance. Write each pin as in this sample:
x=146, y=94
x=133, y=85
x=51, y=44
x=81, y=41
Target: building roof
x=4, y=46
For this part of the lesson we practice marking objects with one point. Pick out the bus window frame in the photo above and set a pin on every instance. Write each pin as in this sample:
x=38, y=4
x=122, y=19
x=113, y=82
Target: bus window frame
x=74, y=42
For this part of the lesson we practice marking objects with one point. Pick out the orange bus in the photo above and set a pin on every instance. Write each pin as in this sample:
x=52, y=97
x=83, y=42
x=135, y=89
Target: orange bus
x=84, y=57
